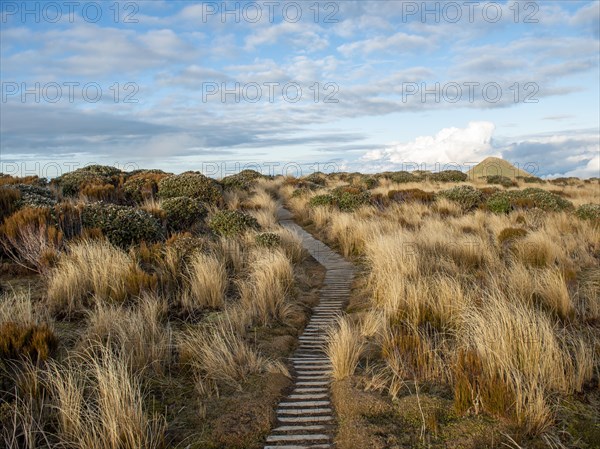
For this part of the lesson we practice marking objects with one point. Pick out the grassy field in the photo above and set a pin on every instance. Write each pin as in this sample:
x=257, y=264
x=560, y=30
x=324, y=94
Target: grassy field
x=475, y=322
x=146, y=310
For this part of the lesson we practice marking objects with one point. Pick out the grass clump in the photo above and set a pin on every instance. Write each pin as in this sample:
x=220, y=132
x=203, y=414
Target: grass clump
x=508, y=235
x=344, y=348
x=34, y=342
x=232, y=222
x=122, y=225
x=192, y=185
x=94, y=271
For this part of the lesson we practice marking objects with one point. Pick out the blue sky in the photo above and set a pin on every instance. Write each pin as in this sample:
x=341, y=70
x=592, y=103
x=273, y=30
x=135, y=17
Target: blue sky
x=512, y=79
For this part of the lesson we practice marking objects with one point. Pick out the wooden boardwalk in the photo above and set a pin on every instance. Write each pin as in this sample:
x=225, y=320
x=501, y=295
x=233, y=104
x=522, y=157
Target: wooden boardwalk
x=305, y=418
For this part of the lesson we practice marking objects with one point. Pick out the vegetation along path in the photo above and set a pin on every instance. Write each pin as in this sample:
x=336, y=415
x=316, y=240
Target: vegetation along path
x=305, y=418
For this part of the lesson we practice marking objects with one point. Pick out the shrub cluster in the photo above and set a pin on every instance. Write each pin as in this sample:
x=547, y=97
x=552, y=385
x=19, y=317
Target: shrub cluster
x=531, y=179
x=588, y=212
x=122, y=225
x=504, y=202
x=232, y=222
x=468, y=197
x=448, y=176
x=348, y=199
x=243, y=180
x=94, y=179
x=317, y=178
x=142, y=184
x=402, y=177
x=268, y=239
x=182, y=212
x=321, y=200
x=410, y=195
x=193, y=185
x=504, y=181
x=32, y=195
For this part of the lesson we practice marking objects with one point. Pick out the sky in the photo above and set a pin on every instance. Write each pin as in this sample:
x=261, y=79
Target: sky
x=295, y=87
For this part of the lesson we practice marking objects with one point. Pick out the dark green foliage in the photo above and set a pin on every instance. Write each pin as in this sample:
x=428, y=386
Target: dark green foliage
x=504, y=181
x=531, y=179
x=321, y=200
x=468, y=197
x=73, y=182
x=193, y=185
x=182, y=212
x=232, y=222
x=588, y=212
x=448, y=176
x=268, y=239
x=122, y=225
x=503, y=202
x=142, y=184
x=317, y=178
x=243, y=180
x=402, y=177
x=348, y=199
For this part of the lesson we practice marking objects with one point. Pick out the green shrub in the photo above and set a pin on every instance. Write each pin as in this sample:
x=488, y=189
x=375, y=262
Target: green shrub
x=32, y=196
x=33, y=342
x=348, y=199
x=321, y=200
x=365, y=182
x=142, y=184
x=182, y=212
x=448, y=176
x=244, y=180
x=468, y=197
x=73, y=182
x=402, y=177
x=268, y=239
x=531, y=179
x=317, y=178
x=588, y=212
x=410, y=195
x=122, y=225
x=193, y=185
x=232, y=222
x=504, y=181
x=503, y=202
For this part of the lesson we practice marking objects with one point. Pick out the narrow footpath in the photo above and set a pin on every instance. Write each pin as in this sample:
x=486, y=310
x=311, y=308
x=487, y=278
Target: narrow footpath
x=305, y=418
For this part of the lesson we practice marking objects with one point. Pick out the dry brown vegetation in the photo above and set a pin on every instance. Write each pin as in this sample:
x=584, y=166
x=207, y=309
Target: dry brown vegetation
x=497, y=311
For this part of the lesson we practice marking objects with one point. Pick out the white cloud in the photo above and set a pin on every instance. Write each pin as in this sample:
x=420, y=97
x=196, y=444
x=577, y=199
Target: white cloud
x=398, y=43
x=460, y=145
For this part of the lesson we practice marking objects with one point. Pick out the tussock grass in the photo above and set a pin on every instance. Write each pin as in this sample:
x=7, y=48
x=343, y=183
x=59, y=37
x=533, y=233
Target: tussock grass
x=207, y=283
x=344, y=348
x=268, y=285
x=95, y=271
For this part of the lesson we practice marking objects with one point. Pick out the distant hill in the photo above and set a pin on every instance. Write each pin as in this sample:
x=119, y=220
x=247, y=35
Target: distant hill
x=495, y=166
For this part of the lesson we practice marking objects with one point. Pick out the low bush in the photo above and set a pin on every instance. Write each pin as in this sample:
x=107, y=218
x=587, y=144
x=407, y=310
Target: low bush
x=402, y=177
x=142, y=185
x=232, y=222
x=244, y=180
x=468, y=197
x=588, y=212
x=268, y=239
x=182, y=212
x=193, y=185
x=531, y=179
x=448, y=176
x=410, y=195
x=321, y=200
x=348, y=199
x=503, y=202
x=122, y=225
x=94, y=178
x=317, y=178
x=504, y=181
